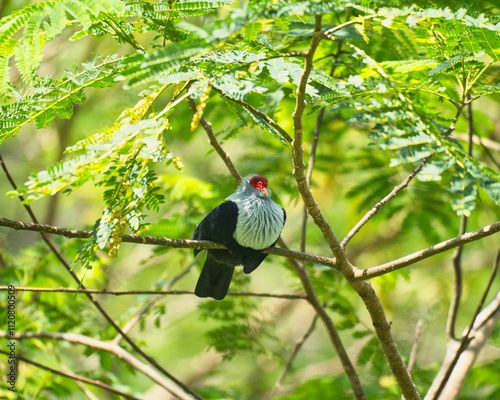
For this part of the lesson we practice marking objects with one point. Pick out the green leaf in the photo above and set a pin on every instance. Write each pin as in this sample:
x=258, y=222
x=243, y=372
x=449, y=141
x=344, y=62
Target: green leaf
x=463, y=185
x=264, y=125
x=276, y=68
x=251, y=31
x=43, y=120
x=64, y=109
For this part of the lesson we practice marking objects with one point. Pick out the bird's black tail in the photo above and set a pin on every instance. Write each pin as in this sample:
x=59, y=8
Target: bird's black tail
x=214, y=279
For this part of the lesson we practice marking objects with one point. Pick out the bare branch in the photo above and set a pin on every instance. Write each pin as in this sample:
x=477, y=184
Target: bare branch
x=329, y=33
x=312, y=297
x=163, y=241
x=152, y=301
x=384, y=201
x=457, y=254
x=105, y=346
x=481, y=141
x=467, y=338
x=426, y=253
x=414, y=348
x=298, y=154
x=152, y=292
x=207, y=126
x=75, y=377
x=363, y=289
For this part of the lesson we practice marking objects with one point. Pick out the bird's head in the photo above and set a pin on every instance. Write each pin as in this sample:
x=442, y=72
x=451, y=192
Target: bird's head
x=259, y=183
x=250, y=187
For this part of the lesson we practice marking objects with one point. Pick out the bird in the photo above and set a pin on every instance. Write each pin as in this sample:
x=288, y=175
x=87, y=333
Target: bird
x=246, y=223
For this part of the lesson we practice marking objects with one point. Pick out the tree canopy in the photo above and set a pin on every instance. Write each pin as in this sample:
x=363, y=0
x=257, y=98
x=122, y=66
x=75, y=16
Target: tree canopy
x=123, y=123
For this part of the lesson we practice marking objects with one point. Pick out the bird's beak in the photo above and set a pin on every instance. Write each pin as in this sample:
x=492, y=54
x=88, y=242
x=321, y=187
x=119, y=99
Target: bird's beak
x=264, y=190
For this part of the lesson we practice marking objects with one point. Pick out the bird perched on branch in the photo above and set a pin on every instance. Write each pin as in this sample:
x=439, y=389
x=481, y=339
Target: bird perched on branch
x=246, y=223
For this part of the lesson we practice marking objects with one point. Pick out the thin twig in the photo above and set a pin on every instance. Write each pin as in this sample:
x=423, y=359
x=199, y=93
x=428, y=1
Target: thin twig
x=457, y=254
x=81, y=385
x=457, y=284
x=75, y=377
x=152, y=361
x=329, y=33
x=298, y=347
x=414, y=348
x=145, y=292
x=384, y=201
x=426, y=253
x=481, y=141
x=312, y=297
x=399, y=187
x=207, y=126
x=151, y=302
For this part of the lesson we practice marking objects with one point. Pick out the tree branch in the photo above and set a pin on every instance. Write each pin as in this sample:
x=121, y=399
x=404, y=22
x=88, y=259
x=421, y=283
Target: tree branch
x=75, y=377
x=457, y=254
x=316, y=214
x=152, y=301
x=329, y=33
x=207, y=126
x=359, y=274
x=363, y=289
x=312, y=297
x=400, y=187
x=104, y=346
x=163, y=241
x=426, y=253
x=152, y=292
x=414, y=349
x=384, y=201
x=298, y=154
x=481, y=141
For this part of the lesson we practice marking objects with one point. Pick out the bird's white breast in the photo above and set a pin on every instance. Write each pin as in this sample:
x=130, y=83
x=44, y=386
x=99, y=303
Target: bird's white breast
x=260, y=222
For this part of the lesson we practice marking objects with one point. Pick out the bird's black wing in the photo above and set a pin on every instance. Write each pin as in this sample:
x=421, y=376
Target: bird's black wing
x=219, y=225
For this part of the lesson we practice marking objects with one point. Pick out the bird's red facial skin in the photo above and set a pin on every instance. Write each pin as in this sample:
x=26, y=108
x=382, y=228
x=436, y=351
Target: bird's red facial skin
x=259, y=182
